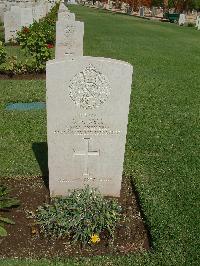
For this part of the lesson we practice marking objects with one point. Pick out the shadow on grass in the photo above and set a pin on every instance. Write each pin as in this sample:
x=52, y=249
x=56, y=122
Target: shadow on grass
x=41, y=154
x=144, y=218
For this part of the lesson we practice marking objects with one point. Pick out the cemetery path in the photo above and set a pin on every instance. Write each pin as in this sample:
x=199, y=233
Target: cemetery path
x=25, y=241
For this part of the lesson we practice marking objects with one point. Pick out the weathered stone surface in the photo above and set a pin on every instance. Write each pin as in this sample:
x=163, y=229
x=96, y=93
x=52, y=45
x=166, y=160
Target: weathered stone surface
x=69, y=38
x=87, y=114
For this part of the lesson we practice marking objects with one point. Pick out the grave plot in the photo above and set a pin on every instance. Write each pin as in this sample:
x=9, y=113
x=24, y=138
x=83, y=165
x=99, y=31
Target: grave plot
x=130, y=234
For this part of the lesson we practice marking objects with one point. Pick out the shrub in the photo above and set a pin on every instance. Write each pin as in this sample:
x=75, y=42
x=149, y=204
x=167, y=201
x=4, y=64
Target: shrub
x=5, y=204
x=37, y=47
x=2, y=53
x=82, y=216
x=46, y=26
x=37, y=40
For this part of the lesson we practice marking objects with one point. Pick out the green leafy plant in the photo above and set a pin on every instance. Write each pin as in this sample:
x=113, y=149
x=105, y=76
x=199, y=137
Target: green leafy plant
x=36, y=46
x=38, y=39
x=6, y=203
x=45, y=26
x=2, y=53
x=82, y=216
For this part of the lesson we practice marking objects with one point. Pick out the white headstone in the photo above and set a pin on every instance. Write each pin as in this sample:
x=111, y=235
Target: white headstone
x=2, y=10
x=198, y=22
x=62, y=8
x=40, y=11
x=12, y=24
x=87, y=115
x=26, y=16
x=181, y=20
x=69, y=38
x=154, y=11
x=141, y=12
x=66, y=16
x=72, y=2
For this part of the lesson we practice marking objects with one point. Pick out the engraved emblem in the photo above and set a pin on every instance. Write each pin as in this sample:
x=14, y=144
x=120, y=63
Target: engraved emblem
x=89, y=89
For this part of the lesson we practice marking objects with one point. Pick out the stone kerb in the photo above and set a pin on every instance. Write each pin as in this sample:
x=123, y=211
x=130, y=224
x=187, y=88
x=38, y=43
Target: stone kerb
x=87, y=116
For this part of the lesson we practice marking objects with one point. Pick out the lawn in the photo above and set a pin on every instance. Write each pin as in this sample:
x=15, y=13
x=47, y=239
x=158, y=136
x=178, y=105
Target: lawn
x=163, y=132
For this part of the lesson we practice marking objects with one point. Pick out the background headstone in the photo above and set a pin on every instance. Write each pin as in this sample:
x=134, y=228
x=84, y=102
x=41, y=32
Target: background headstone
x=26, y=16
x=198, y=22
x=66, y=16
x=154, y=11
x=181, y=20
x=12, y=24
x=69, y=38
x=87, y=115
x=141, y=12
x=2, y=10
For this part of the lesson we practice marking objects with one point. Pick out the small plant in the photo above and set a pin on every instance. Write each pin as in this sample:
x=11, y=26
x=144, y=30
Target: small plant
x=82, y=216
x=2, y=53
x=5, y=204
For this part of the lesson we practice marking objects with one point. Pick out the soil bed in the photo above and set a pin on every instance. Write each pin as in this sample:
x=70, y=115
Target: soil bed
x=24, y=240
x=33, y=76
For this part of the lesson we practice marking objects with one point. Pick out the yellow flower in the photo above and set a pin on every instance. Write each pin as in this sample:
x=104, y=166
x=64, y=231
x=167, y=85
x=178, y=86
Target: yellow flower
x=95, y=239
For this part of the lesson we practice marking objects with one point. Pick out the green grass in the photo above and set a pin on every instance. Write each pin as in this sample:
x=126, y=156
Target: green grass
x=19, y=130
x=163, y=132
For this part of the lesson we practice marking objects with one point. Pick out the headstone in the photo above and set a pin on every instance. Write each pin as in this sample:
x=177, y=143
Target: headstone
x=181, y=20
x=110, y=4
x=141, y=12
x=72, y=2
x=2, y=10
x=69, y=38
x=67, y=16
x=87, y=115
x=40, y=11
x=154, y=11
x=198, y=22
x=12, y=23
x=62, y=8
x=26, y=17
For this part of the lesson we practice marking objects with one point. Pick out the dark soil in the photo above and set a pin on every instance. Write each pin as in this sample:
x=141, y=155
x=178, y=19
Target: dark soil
x=34, y=76
x=24, y=239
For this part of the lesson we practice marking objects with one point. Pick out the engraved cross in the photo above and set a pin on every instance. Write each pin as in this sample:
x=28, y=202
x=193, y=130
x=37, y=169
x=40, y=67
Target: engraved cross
x=86, y=153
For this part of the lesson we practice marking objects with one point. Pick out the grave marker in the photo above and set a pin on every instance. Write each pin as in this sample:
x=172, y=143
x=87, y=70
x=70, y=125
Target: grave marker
x=198, y=23
x=12, y=23
x=141, y=12
x=181, y=20
x=69, y=38
x=87, y=115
